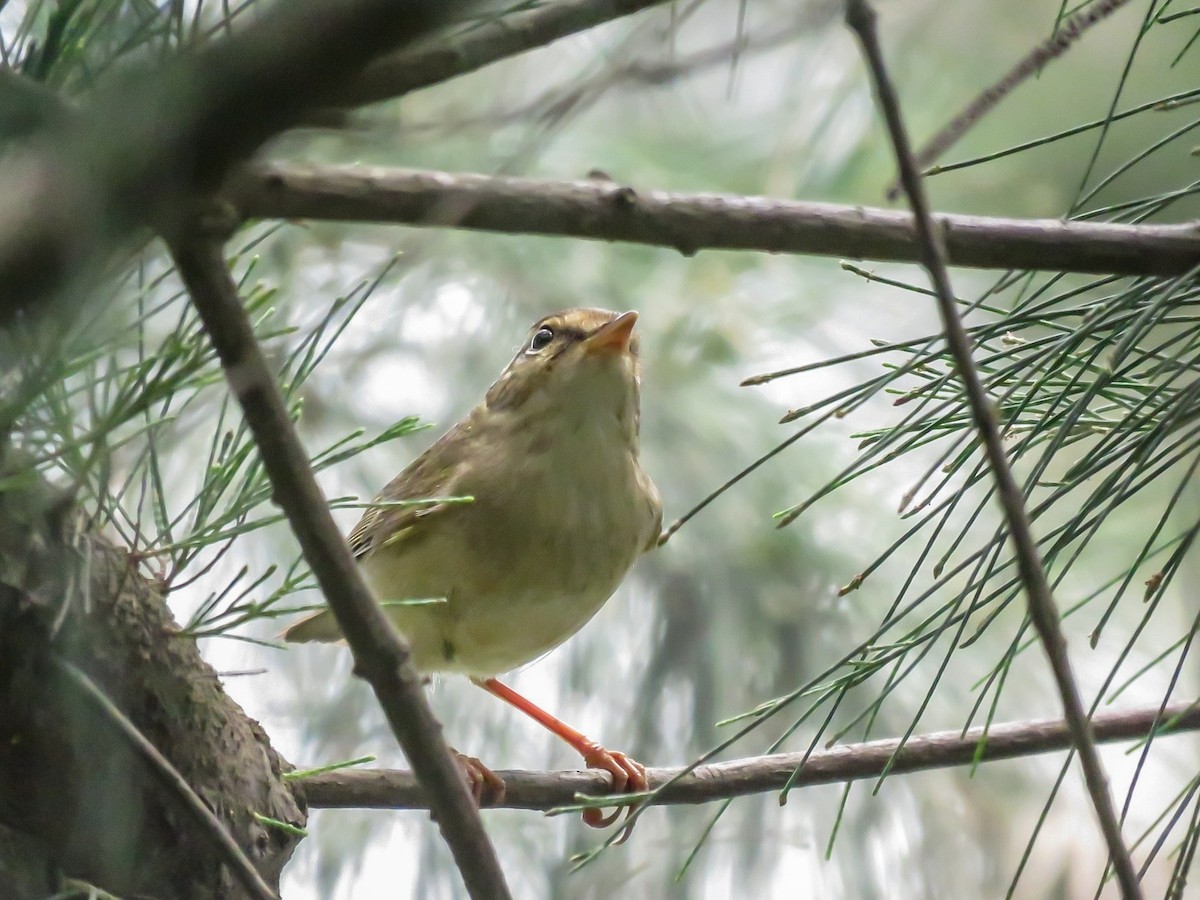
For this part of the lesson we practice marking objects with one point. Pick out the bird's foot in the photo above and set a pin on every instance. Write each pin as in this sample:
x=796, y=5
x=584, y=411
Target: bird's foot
x=629, y=776
x=486, y=787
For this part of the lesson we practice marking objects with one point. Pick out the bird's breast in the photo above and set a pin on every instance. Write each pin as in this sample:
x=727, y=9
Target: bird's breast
x=568, y=513
x=553, y=529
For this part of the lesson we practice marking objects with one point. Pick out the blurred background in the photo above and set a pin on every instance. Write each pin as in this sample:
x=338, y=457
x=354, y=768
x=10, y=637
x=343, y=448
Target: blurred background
x=374, y=324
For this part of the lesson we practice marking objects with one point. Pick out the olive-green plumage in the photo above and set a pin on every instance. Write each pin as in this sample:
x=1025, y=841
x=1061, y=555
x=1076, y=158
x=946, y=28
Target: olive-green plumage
x=561, y=507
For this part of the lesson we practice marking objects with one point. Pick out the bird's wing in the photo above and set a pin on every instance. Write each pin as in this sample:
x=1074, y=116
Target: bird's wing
x=436, y=472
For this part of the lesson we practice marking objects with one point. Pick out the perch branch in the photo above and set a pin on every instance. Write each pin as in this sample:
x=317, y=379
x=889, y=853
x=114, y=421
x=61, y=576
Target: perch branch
x=395, y=789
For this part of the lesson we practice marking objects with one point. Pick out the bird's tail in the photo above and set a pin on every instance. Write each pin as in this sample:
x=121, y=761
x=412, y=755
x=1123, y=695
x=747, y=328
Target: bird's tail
x=319, y=626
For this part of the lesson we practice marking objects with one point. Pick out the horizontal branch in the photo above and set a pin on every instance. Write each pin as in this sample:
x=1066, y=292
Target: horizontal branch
x=606, y=210
x=397, y=789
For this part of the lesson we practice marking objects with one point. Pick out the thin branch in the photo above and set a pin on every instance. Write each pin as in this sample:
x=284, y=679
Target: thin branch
x=166, y=775
x=860, y=17
x=394, y=789
x=1031, y=64
x=380, y=656
x=554, y=101
x=609, y=211
x=506, y=36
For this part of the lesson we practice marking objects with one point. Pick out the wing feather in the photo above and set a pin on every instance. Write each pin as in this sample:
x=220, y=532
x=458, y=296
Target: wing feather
x=435, y=472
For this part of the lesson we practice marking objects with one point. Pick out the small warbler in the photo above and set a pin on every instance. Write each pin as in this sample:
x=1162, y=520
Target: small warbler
x=561, y=509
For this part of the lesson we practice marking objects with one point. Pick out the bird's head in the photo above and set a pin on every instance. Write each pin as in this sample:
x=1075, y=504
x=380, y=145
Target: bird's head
x=574, y=365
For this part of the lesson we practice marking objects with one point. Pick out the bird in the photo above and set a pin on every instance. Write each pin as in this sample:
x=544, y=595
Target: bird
x=559, y=510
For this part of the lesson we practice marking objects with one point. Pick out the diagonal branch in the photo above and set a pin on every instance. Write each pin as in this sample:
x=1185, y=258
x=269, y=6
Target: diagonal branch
x=380, y=656
x=860, y=17
x=623, y=66
x=391, y=789
x=78, y=190
x=505, y=36
x=608, y=211
x=1032, y=64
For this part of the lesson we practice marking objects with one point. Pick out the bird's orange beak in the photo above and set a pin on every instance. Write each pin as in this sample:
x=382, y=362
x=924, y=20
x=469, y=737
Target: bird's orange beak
x=614, y=336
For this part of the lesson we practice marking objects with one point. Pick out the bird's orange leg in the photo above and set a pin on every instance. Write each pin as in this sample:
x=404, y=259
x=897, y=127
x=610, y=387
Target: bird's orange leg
x=627, y=774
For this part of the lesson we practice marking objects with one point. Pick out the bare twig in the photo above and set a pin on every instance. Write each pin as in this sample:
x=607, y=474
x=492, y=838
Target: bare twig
x=860, y=17
x=1033, y=62
x=580, y=93
x=380, y=656
x=393, y=789
x=609, y=211
x=506, y=36
x=169, y=778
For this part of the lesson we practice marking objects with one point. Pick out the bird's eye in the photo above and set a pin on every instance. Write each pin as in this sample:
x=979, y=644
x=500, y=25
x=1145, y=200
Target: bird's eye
x=541, y=338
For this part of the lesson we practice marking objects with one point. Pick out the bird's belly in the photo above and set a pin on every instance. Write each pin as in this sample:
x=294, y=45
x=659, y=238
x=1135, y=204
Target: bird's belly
x=527, y=563
x=490, y=638
x=494, y=618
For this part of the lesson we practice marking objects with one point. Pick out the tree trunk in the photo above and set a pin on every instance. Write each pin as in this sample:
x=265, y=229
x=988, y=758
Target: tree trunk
x=76, y=799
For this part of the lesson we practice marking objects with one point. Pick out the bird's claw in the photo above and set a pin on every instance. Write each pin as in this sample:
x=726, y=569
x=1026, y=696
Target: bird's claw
x=486, y=787
x=628, y=775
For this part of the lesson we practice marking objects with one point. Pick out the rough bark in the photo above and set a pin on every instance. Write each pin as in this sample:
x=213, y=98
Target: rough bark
x=75, y=799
